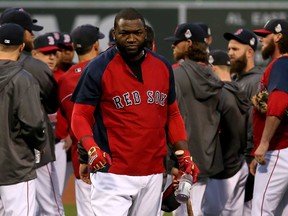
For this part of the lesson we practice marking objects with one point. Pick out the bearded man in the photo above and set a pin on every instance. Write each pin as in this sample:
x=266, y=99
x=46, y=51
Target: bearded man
x=241, y=49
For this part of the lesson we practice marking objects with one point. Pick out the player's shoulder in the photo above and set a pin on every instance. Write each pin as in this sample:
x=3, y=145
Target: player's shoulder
x=100, y=62
x=281, y=62
x=34, y=65
x=279, y=65
x=25, y=78
x=176, y=65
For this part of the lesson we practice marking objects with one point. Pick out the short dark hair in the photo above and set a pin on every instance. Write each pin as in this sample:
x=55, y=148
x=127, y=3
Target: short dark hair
x=150, y=37
x=128, y=14
x=283, y=44
x=84, y=50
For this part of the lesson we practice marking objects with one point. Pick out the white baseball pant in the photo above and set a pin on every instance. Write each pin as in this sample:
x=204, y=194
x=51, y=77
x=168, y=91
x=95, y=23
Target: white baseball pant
x=83, y=198
x=225, y=197
x=271, y=185
x=122, y=195
x=60, y=164
x=49, y=201
x=18, y=199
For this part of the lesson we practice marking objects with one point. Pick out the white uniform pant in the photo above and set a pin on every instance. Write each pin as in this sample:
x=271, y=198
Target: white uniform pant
x=271, y=185
x=122, y=195
x=49, y=201
x=225, y=197
x=18, y=199
x=60, y=164
x=83, y=198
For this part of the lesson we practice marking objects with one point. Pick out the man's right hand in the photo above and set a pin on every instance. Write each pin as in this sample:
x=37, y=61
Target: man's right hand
x=98, y=159
x=84, y=173
x=253, y=166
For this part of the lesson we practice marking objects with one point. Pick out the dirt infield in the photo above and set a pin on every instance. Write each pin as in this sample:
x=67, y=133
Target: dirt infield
x=69, y=193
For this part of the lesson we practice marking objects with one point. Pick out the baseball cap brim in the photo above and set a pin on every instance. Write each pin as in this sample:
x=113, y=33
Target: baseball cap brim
x=48, y=48
x=100, y=35
x=34, y=27
x=66, y=45
x=262, y=32
x=230, y=36
x=172, y=38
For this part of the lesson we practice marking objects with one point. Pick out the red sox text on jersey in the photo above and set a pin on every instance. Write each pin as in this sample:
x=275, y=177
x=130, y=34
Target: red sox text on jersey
x=128, y=99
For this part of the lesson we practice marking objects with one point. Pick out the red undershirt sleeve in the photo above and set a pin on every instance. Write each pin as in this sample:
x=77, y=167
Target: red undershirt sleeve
x=82, y=123
x=277, y=104
x=176, y=128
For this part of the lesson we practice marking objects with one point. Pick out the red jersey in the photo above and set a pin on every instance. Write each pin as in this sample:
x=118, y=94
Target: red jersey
x=59, y=124
x=275, y=80
x=131, y=116
x=58, y=73
x=66, y=86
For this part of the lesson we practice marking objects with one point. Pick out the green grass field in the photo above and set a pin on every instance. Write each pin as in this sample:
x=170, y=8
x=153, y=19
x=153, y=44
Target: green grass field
x=70, y=210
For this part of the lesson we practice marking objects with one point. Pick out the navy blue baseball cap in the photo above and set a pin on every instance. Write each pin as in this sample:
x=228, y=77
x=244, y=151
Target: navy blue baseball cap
x=7, y=10
x=243, y=36
x=273, y=26
x=45, y=43
x=20, y=17
x=65, y=41
x=57, y=36
x=205, y=27
x=11, y=34
x=219, y=57
x=187, y=31
x=85, y=35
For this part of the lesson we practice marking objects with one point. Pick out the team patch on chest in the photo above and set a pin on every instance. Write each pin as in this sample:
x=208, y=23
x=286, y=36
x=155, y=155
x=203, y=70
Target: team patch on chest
x=135, y=98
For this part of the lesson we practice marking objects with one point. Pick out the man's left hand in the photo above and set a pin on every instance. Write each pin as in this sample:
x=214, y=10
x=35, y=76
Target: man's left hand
x=186, y=165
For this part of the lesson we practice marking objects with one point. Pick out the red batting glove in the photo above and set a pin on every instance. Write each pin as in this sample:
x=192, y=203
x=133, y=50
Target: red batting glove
x=186, y=165
x=98, y=159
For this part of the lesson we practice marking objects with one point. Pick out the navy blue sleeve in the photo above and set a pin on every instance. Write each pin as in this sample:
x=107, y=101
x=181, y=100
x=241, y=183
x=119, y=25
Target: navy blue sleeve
x=89, y=87
x=172, y=92
x=278, y=79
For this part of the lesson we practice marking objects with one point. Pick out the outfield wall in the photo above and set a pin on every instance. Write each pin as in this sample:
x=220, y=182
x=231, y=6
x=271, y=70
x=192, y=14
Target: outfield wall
x=163, y=16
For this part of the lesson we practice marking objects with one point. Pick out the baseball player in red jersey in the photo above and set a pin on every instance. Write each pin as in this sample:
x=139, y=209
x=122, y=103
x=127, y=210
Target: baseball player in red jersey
x=85, y=39
x=62, y=139
x=45, y=49
x=126, y=96
x=270, y=122
x=65, y=58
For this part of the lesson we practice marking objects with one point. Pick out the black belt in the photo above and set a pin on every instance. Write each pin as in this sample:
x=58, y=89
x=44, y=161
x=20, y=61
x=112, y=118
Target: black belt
x=57, y=140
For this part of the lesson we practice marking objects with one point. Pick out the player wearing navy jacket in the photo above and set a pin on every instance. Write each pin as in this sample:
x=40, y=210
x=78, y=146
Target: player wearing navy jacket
x=127, y=96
